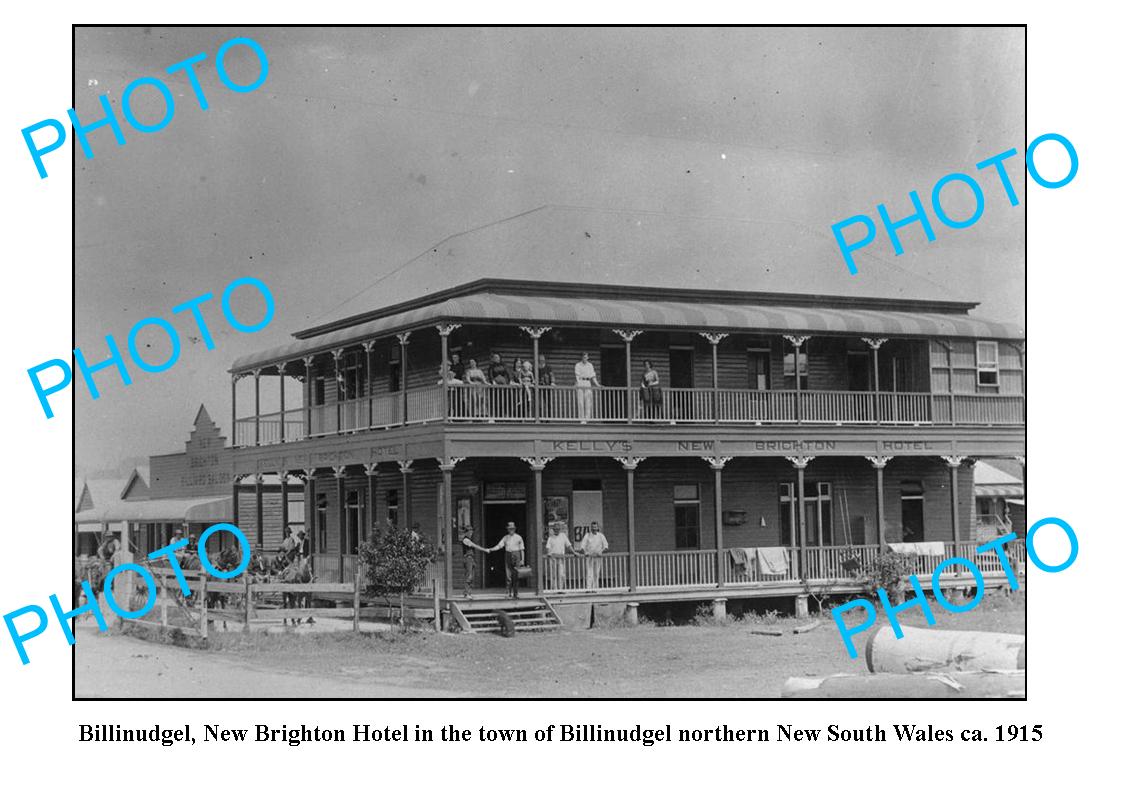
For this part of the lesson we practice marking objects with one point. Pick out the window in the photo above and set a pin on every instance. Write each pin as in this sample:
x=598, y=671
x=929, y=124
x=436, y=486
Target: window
x=319, y=396
x=789, y=367
x=759, y=363
x=986, y=363
x=392, y=507
x=354, y=522
x=395, y=369
x=352, y=380
x=818, y=517
x=687, y=511
x=321, y=523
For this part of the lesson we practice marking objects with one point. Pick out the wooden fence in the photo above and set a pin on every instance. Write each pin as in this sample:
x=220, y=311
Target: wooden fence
x=240, y=601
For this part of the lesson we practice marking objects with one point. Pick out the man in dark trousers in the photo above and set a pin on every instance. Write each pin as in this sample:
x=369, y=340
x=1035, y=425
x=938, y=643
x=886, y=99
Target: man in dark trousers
x=514, y=550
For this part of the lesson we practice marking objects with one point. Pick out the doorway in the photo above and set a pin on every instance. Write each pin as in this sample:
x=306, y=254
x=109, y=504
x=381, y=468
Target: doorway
x=496, y=517
x=912, y=511
x=858, y=371
x=682, y=367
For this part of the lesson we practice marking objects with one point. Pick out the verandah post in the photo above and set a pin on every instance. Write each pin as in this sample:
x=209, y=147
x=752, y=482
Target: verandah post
x=879, y=463
x=403, y=341
x=281, y=379
x=797, y=341
x=336, y=355
x=447, y=465
x=537, y=465
x=308, y=395
x=875, y=344
x=444, y=330
x=340, y=473
x=368, y=347
x=535, y=333
x=800, y=463
x=717, y=464
x=628, y=335
x=259, y=512
x=953, y=463
x=630, y=464
x=714, y=339
x=257, y=406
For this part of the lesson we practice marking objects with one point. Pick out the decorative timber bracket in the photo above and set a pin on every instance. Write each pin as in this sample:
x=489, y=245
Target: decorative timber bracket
x=629, y=462
x=537, y=463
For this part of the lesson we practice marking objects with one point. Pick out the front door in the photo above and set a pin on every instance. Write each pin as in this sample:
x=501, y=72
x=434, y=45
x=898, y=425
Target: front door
x=912, y=518
x=496, y=517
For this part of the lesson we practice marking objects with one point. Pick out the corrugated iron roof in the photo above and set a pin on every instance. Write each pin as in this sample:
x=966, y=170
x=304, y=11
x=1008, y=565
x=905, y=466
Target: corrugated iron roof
x=621, y=248
x=493, y=307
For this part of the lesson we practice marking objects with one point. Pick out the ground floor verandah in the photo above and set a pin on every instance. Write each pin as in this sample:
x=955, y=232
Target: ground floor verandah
x=746, y=526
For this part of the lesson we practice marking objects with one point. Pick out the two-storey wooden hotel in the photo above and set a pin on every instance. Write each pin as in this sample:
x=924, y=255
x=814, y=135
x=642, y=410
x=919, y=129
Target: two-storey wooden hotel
x=807, y=418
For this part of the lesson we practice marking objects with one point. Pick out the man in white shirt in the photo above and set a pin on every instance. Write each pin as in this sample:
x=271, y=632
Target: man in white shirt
x=586, y=377
x=557, y=545
x=514, y=549
x=594, y=545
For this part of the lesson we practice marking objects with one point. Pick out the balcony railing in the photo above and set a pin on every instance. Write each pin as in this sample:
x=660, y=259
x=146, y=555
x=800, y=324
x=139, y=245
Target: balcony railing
x=513, y=403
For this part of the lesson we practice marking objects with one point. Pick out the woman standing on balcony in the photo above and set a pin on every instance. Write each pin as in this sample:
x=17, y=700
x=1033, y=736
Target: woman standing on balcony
x=545, y=379
x=477, y=381
x=524, y=376
x=650, y=393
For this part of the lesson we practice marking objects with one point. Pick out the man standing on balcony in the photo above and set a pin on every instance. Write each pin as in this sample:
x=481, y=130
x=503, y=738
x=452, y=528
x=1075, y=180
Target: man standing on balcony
x=586, y=376
x=594, y=545
x=514, y=549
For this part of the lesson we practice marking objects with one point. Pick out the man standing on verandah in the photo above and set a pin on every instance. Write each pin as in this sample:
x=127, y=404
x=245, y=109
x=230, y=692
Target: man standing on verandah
x=514, y=548
x=594, y=545
x=556, y=548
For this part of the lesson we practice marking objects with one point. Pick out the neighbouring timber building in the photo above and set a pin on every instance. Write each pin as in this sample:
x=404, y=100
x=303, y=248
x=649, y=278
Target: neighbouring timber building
x=802, y=409
x=186, y=491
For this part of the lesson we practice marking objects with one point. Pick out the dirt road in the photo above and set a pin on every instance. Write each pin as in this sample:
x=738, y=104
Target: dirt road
x=645, y=661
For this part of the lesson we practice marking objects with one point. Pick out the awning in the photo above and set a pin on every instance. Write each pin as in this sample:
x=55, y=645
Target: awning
x=160, y=510
x=493, y=307
x=999, y=490
x=221, y=510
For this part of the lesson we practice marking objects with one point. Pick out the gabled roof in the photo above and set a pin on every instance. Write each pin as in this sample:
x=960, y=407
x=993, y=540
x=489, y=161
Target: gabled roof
x=136, y=485
x=642, y=250
x=98, y=492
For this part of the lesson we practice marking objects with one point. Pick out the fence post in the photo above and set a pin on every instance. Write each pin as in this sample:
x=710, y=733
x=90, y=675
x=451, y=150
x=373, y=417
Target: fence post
x=358, y=580
x=436, y=607
x=203, y=605
x=249, y=596
x=163, y=591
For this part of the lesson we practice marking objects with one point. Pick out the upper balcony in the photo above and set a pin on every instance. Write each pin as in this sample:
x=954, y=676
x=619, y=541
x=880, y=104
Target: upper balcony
x=720, y=358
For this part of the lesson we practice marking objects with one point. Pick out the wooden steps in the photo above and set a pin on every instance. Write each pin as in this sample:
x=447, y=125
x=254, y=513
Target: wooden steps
x=528, y=615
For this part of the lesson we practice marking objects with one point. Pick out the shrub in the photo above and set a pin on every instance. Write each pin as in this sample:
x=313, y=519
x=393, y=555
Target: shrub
x=888, y=571
x=395, y=561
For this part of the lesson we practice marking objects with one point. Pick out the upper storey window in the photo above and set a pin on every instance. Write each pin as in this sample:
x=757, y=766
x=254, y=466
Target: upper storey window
x=986, y=363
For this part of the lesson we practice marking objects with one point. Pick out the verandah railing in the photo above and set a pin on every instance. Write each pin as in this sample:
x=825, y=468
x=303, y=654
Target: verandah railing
x=687, y=569
x=516, y=403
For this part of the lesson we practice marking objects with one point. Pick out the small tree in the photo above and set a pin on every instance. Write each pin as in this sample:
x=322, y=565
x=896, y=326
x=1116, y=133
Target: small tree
x=888, y=571
x=395, y=561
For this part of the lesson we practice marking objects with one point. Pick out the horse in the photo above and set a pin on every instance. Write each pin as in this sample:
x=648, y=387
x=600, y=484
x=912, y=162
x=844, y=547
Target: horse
x=93, y=570
x=299, y=570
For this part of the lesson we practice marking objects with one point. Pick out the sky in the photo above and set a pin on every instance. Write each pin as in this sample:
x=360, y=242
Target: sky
x=365, y=146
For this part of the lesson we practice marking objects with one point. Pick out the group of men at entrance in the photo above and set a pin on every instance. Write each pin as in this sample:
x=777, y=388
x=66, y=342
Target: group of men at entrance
x=593, y=545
